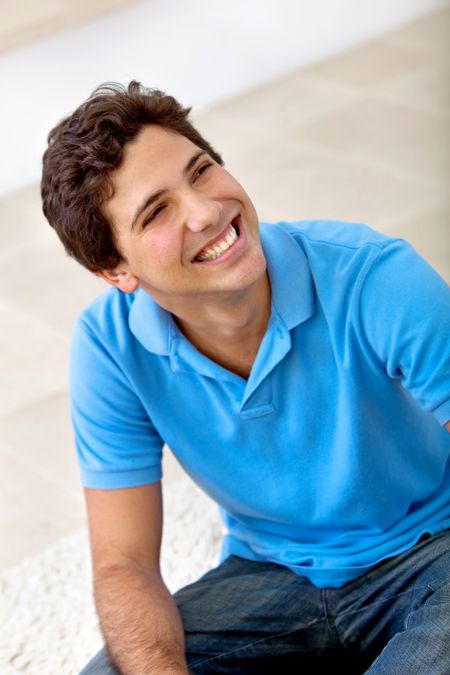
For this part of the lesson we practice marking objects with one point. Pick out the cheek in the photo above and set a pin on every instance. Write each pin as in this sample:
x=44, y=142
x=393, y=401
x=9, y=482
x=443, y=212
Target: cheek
x=159, y=246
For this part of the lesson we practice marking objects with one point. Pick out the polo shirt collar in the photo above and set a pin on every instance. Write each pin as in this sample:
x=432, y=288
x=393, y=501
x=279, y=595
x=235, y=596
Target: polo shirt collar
x=289, y=273
x=151, y=324
x=292, y=294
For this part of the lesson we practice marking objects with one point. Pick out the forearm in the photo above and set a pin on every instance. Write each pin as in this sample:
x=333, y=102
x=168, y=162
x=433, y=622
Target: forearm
x=140, y=621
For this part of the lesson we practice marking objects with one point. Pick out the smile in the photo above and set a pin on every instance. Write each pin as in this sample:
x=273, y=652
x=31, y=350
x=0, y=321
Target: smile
x=218, y=248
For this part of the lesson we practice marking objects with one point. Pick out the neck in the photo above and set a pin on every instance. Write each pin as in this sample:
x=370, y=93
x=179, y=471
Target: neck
x=229, y=330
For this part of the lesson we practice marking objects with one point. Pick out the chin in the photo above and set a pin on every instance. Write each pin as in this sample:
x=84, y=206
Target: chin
x=254, y=269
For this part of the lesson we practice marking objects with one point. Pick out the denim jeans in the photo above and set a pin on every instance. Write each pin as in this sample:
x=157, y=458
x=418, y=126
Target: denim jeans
x=253, y=618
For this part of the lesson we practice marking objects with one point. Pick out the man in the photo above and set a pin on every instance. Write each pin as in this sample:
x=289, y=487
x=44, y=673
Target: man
x=301, y=375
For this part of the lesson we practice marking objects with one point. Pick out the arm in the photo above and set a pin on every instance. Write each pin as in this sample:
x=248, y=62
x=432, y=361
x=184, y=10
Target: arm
x=138, y=616
x=447, y=426
x=405, y=317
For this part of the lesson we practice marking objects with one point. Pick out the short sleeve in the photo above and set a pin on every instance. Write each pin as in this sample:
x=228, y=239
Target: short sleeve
x=405, y=316
x=116, y=443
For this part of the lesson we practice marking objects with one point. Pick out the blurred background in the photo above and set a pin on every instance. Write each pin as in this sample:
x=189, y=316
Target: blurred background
x=331, y=108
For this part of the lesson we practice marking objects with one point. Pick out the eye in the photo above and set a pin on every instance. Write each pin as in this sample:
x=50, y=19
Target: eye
x=202, y=169
x=153, y=215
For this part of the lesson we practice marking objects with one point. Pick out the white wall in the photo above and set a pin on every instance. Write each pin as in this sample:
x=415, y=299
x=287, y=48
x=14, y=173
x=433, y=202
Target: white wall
x=199, y=50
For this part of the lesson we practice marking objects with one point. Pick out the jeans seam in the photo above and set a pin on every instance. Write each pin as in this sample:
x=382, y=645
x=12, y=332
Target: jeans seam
x=330, y=619
x=379, y=602
x=255, y=642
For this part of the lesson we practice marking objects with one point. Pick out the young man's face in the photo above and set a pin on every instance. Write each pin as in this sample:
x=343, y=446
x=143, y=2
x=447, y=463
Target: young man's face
x=185, y=226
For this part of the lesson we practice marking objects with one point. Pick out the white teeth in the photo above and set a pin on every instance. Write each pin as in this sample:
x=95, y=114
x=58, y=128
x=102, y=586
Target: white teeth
x=219, y=248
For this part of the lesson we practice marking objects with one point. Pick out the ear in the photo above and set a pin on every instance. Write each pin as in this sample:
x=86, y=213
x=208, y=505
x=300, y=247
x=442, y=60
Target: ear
x=121, y=278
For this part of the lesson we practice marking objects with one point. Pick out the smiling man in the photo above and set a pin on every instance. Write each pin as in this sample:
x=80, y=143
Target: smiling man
x=211, y=273
x=300, y=372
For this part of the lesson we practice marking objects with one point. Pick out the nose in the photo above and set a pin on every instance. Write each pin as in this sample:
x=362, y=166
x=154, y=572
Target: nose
x=200, y=211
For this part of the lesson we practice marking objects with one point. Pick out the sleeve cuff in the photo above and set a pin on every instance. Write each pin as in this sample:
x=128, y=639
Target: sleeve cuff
x=442, y=412
x=104, y=480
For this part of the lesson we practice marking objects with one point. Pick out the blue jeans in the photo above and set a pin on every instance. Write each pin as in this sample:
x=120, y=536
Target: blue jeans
x=254, y=618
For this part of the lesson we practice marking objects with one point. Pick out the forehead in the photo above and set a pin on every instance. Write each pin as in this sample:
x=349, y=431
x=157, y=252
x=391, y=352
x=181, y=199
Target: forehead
x=151, y=152
x=152, y=161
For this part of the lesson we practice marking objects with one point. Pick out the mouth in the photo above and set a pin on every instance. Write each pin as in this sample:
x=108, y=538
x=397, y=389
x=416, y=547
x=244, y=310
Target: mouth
x=217, y=248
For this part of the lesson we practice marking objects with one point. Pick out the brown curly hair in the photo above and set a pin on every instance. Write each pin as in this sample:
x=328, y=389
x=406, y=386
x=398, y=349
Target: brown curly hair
x=83, y=150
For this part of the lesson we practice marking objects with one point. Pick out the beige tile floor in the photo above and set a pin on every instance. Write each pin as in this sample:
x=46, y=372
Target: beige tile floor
x=364, y=137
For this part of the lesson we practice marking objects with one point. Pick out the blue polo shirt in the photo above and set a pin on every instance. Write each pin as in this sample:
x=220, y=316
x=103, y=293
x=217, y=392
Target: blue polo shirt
x=332, y=456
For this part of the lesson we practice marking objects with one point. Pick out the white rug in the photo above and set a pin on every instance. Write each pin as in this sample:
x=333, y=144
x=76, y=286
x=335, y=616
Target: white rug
x=48, y=624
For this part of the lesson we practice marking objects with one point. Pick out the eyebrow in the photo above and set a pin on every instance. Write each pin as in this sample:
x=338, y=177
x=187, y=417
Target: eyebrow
x=156, y=195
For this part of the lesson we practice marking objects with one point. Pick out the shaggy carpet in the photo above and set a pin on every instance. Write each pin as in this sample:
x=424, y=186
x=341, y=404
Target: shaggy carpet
x=47, y=616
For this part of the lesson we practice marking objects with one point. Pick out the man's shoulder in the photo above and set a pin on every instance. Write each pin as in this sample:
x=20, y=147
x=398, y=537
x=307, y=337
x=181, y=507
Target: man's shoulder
x=110, y=301
x=116, y=321
x=334, y=248
x=107, y=313
x=338, y=255
x=335, y=233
